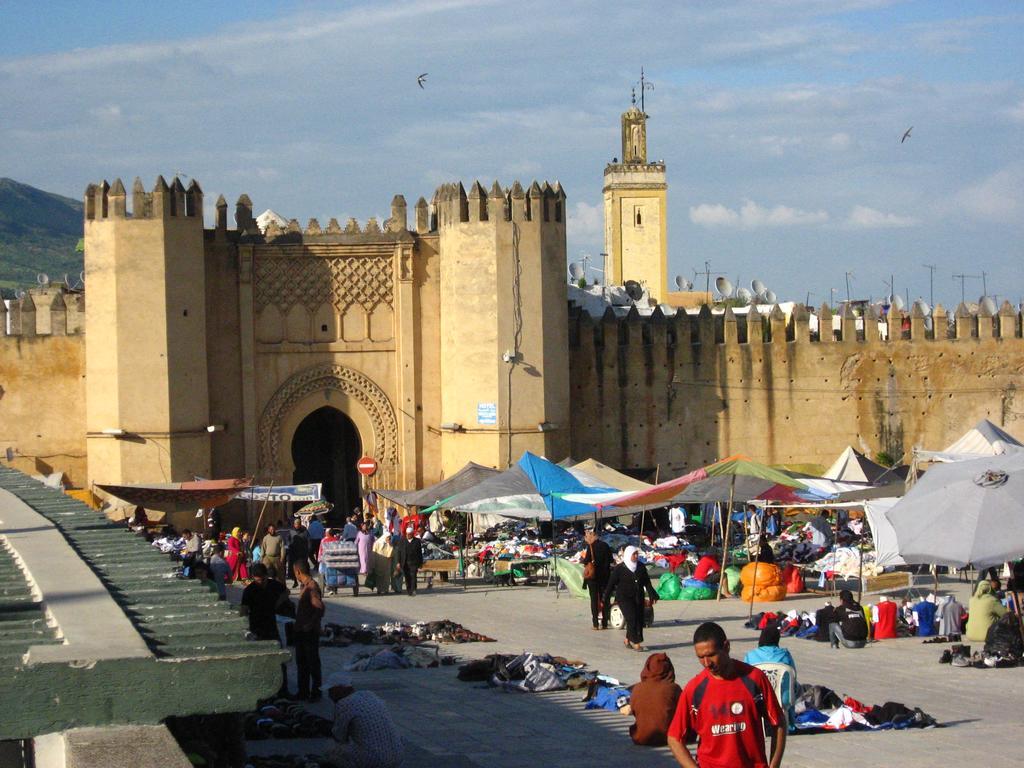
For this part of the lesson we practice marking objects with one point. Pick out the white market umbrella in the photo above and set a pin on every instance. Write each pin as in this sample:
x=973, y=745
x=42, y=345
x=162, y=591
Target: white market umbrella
x=967, y=512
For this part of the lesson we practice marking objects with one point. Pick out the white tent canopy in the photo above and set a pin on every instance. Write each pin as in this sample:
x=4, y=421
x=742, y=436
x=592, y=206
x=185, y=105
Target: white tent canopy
x=853, y=466
x=887, y=551
x=983, y=439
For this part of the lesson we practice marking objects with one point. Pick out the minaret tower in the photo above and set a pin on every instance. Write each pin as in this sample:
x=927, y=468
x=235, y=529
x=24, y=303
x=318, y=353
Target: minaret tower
x=635, y=231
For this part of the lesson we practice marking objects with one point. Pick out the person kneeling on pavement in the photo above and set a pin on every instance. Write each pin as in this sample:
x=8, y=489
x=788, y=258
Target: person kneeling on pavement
x=849, y=626
x=365, y=734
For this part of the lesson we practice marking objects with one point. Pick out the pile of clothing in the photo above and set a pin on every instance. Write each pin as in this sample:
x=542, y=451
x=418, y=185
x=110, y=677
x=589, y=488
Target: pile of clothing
x=443, y=631
x=169, y=544
x=284, y=719
x=528, y=672
x=399, y=656
x=846, y=562
x=818, y=709
x=434, y=551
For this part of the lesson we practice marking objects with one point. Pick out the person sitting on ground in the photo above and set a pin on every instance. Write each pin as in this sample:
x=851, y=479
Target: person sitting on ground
x=726, y=706
x=365, y=735
x=653, y=702
x=708, y=568
x=220, y=571
x=984, y=609
x=849, y=626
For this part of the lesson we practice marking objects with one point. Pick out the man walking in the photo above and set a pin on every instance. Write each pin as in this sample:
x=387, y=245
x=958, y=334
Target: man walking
x=408, y=559
x=597, y=567
x=726, y=706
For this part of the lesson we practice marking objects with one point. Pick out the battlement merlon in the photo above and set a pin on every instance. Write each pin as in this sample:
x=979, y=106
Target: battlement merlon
x=106, y=201
x=707, y=330
x=540, y=203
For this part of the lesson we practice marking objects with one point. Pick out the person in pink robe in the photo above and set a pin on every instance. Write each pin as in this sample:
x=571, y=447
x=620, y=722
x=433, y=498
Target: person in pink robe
x=364, y=542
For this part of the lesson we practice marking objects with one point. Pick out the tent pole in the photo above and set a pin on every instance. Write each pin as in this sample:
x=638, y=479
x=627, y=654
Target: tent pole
x=835, y=545
x=757, y=560
x=725, y=538
x=462, y=551
x=860, y=572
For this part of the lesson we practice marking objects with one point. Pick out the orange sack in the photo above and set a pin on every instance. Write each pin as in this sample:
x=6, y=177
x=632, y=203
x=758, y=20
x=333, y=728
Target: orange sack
x=769, y=587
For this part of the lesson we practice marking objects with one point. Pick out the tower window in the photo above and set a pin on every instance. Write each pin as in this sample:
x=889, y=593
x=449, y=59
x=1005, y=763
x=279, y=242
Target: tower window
x=638, y=216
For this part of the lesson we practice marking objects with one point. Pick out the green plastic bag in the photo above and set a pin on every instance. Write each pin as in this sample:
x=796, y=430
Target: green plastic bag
x=732, y=578
x=669, y=586
x=696, y=593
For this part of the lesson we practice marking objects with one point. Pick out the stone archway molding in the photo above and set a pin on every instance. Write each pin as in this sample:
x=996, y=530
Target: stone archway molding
x=328, y=378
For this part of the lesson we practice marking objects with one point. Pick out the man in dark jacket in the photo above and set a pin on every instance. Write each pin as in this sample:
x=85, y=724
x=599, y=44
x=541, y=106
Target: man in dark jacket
x=298, y=549
x=600, y=554
x=408, y=556
x=849, y=626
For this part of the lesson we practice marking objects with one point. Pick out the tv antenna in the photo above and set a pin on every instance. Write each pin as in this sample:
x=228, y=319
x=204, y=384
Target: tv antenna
x=707, y=276
x=931, y=282
x=645, y=85
x=848, y=276
x=963, y=279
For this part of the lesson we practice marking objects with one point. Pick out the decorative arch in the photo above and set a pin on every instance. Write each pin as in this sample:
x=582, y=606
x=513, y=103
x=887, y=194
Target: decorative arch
x=296, y=397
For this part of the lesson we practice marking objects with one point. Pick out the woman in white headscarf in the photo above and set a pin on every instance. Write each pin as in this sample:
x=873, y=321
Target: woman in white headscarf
x=628, y=582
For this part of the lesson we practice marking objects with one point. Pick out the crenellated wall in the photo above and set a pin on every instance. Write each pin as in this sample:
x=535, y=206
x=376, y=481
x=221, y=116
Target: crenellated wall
x=683, y=391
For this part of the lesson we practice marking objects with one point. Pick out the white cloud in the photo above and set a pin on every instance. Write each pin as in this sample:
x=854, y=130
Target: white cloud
x=840, y=140
x=752, y=216
x=863, y=217
x=1016, y=113
x=999, y=198
x=586, y=222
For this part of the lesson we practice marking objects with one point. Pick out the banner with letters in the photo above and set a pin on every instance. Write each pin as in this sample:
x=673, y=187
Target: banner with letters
x=306, y=492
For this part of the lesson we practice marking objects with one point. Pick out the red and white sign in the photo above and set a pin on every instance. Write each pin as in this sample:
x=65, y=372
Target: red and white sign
x=366, y=466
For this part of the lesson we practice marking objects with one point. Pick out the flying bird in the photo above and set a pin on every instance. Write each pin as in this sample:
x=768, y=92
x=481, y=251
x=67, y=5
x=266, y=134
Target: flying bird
x=907, y=134
x=422, y=79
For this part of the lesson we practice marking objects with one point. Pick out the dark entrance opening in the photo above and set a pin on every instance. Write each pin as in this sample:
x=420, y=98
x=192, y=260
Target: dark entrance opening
x=325, y=450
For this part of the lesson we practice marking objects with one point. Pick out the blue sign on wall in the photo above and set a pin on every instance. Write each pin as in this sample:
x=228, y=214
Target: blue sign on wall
x=486, y=413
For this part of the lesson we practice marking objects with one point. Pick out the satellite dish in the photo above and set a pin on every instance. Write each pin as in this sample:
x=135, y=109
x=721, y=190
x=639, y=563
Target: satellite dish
x=758, y=287
x=67, y=280
x=81, y=277
x=680, y=282
x=897, y=301
x=634, y=290
x=724, y=287
x=922, y=305
x=744, y=294
x=687, y=285
x=19, y=294
x=43, y=279
x=988, y=303
x=576, y=270
x=770, y=297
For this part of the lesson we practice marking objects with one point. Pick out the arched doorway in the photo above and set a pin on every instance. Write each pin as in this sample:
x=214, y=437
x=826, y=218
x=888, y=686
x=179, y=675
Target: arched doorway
x=325, y=449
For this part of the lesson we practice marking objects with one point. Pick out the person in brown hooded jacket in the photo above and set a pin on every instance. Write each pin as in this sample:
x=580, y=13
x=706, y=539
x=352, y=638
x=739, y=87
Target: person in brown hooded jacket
x=653, y=701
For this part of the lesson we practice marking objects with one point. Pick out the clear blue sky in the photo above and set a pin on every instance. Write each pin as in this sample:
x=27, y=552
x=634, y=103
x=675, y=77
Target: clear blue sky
x=779, y=121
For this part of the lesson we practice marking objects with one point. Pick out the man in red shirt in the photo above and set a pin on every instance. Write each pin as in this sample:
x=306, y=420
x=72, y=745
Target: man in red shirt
x=708, y=568
x=725, y=705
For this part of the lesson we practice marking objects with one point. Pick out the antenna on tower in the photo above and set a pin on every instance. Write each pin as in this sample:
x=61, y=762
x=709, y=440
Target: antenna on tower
x=645, y=85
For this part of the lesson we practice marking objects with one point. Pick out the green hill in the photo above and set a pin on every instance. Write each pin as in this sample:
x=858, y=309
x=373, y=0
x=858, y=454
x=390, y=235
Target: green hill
x=38, y=233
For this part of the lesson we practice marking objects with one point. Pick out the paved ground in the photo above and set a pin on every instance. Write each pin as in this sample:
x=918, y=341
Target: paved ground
x=450, y=723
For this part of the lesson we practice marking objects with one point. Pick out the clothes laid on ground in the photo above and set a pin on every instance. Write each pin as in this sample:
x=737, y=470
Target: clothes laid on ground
x=527, y=672
x=653, y=701
x=836, y=714
x=399, y=656
x=443, y=631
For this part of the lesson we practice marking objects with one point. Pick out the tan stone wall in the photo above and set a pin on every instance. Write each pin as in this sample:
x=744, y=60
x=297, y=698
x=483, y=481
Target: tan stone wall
x=683, y=392
x=42, y=405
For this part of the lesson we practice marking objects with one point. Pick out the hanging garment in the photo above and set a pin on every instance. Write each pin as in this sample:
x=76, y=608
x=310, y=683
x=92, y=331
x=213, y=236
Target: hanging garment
x=885, y=627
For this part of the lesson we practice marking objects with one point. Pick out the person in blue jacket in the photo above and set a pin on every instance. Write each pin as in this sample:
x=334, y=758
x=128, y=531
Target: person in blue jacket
x=768, y=651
